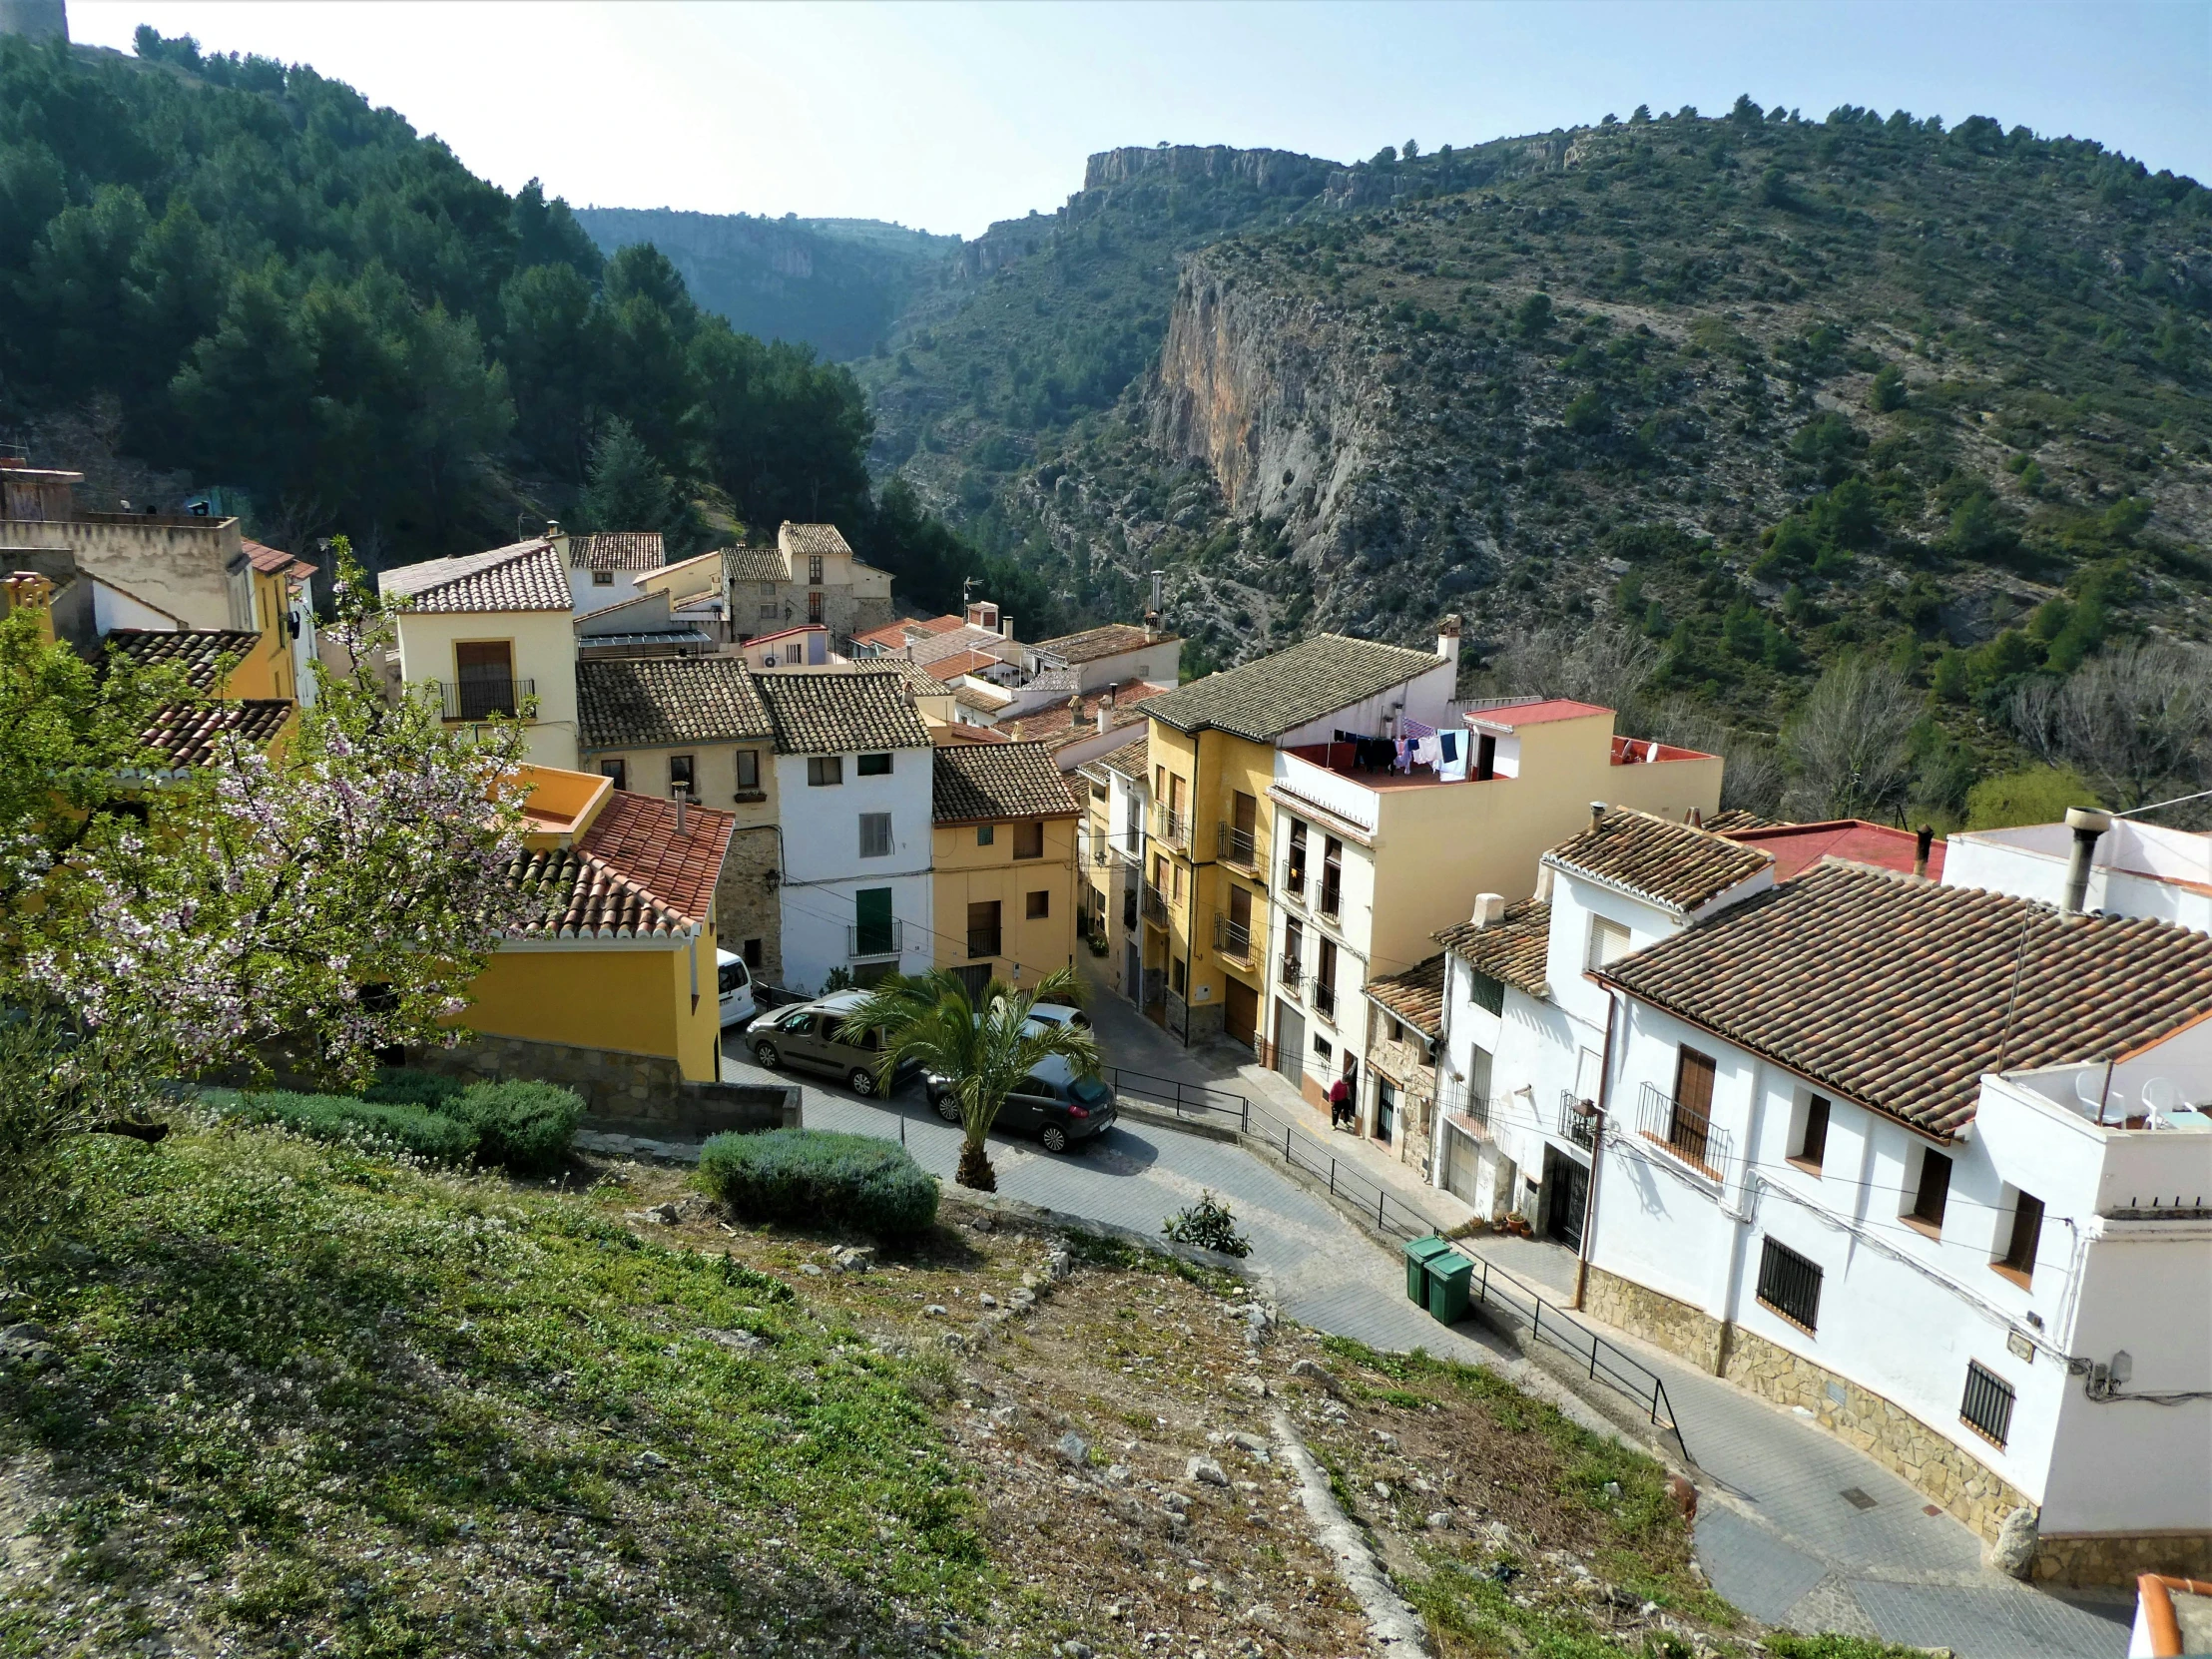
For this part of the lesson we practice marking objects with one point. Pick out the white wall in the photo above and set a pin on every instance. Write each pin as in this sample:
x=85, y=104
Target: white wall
x=823, y=868
x=1423, y=696
x=1347, y=1030
x=2138, y=870
x=589, y=596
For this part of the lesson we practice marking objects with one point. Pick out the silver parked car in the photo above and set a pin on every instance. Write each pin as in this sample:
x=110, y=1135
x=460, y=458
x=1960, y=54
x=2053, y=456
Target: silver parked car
x=808, y=1037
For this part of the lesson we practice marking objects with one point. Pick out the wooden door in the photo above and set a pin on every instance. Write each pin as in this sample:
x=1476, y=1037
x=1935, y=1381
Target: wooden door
x=1693, y=1103
x=1239, y=1013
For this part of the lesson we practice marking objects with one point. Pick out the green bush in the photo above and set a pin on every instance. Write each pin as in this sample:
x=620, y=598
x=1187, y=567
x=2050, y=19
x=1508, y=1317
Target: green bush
x=811, y=1175
x=406, y=1086
x=525, y=1126
x=2034, y=795
x=1209, y=1224
x=337, y=1117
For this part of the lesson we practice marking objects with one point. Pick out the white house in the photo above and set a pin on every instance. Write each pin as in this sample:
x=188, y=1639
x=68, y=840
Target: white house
x=2131, y=868
x=1115, y=653
x=853, y=774
x=1918, y=1159
x=605, y=569
x=1111, y=854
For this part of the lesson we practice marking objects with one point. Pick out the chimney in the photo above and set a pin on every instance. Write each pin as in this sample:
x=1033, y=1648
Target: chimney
x=1597, y=813
x=1006, y=626
x=27, y=590
x=1103, y=708
x=1489, y=908
x=1447, y=639
x=682, y=796
x=1921, y=842
x=2087, y=824
x=1696, y=819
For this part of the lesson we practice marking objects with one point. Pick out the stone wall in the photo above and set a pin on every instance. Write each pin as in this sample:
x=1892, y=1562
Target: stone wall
x=747, y=905
x=637, y=1093
x=2120, y=1558
x=1661, y=1320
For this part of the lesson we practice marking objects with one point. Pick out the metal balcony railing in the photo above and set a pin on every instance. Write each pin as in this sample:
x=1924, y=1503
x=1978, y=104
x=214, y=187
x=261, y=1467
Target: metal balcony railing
x=1155, y=905
x=1332, y=901
x=1576, y=1125
x=1290, y=973
x=1684, y=1131
x=880, y=938
x=484, y=698
x=1325, y=998
x=1171, y=828
x=1235, y=846
x=1293, y=885
x=1457, y=1100
x=983, y=942
x=1233, y=938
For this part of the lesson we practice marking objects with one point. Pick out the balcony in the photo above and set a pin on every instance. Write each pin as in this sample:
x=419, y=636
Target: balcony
x=1235, y=846
x=1330, y=903
x=1292, y=886
x=1324, y=1000
x=1232, y=939
x=1289, y=974
x=1576, y=1125
x=487, y=698
x=1683, y=1130
x=1155, y=905
x=1171, y=828
x=871, y=939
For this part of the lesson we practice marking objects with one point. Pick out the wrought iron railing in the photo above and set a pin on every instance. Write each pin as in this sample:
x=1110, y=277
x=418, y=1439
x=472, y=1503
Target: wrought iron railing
x=1332, y=901
x=1683, y=1130
x=1237, y=846
x=1155, y=905
x=1292, y=886
x=1325, y=998
x=1290, y=973
x=484, y=698
x=874, y=938
x=1171, y=828
x=1577, y=1119
x=1233, y=938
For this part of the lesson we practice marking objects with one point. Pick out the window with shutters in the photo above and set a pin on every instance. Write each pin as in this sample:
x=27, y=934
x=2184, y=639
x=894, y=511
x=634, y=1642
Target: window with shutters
x=1931, y=1195
x=823, y=770
x=875, y=834
x=1608, y=942
x=1789, y=1284
x=813, y=569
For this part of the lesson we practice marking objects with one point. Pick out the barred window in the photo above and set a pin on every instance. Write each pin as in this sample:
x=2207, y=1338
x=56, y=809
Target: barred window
x=1486, y=992
x=1789, y=1284
x=1987, y=1408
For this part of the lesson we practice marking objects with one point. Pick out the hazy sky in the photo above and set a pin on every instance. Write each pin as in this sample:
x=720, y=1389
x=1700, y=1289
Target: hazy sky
x=947, y=116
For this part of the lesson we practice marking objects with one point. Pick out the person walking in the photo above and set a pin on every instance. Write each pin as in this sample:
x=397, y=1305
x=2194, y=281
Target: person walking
x=1339, y=1104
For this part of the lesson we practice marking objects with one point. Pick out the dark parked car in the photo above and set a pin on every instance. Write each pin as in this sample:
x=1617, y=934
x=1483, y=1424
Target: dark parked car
x=1051, y=1103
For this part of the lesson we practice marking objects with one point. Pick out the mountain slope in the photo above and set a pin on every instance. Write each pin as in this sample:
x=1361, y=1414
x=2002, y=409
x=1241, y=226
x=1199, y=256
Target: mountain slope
x=832, y=284
x=1630, y=372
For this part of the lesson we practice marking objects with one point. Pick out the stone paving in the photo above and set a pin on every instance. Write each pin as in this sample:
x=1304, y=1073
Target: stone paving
x=1775, y=1533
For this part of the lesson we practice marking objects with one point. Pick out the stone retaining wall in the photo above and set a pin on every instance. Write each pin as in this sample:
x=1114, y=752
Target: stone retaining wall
x=634, y=1093
x=2120, y=1558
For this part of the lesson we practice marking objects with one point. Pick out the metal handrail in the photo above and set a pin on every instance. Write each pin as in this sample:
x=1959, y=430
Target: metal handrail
x=1293, y=885
x=1325, y=998
x=1155, y=905
x=862, y=943
x=1237, y=846
x=1684, y=1131
x=1174, y=828
x=1575, y=1124
x=1290, y=973
x=1331, y=902
x=1233, y=938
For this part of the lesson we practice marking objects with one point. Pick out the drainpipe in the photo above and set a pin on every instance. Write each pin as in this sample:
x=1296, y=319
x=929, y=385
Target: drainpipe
x=2087, y=824
x=1597, y=1153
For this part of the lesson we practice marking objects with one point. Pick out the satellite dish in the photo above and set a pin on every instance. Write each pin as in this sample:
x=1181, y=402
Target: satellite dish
x=2160, y=1095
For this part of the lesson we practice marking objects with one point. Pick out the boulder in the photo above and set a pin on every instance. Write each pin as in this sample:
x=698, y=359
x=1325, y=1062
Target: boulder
x=1205, y=1469
x=2014, y=1552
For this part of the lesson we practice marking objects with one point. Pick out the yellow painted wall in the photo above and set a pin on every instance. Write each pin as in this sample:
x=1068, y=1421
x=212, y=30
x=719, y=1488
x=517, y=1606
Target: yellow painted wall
x=714, y=771
x=544, y=652
x=634, y=1000
x=966, y=874
x=267, y=670
x=1214, y=766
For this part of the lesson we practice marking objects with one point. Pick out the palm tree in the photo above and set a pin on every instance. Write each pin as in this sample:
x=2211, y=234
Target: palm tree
x=980, y=1053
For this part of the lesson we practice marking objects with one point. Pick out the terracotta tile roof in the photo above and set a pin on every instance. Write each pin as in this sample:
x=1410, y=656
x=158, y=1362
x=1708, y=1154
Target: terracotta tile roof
x=966, y=662
x=1659, y=858
x=1056, y=724
x=985, y=699
x=1511, y=950
x=1313, y=679
x=1901, y=993
x=1733, y=818
x=200, y=651
x=1415, y=995
x=998, y=780
x=841, y=710
x=812, y=538
x=527, y=576
x=924, y=683
x=615, y=550
x=274, y=561
x=651, y=702
x=1129, y=759
x=629, y=874
x=756, y=564
x=188, y=735
x=1797, y=847
x=960, y=640
x=1093, y=643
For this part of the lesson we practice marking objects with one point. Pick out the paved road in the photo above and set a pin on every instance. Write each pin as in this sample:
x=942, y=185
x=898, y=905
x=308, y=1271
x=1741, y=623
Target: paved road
x=1775, y=1535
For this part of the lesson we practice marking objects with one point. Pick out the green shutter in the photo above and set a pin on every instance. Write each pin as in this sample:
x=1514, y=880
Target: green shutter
x=872, y=915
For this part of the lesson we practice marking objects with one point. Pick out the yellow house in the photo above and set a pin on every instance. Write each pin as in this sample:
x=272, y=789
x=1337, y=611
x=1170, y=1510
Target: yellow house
x=1003, y=819
x=492, y=631
x=1212, y=751
x=619, y=951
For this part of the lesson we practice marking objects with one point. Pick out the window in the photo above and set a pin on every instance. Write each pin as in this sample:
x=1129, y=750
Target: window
x=1293, y=951
x=1987, y=1408
x=813, y=569
x=875, y=766
x=681, y=776
x=1041, y=904
x=825, y=768
x=982, y=930
x=748, y=768
x=1178, y=869
x=1930, y=1194
x=874, y=932
x=1789, y=1284
x=618, y=770
x=751, y=951
x=875, y=834
x=1690, y=1114
x=1322, y=1047
x=768, y=588
x=813, y=606
x=1325, y=980
x=2018, y=1260
x=986, y=833
x=1293, y=870
x=1029, y=844
x=1331, y=875
x=1608, y=942
x=1177, y=975
x=772, y=612
x=484, y=679
x=1811, y=1143
x=1485, y=993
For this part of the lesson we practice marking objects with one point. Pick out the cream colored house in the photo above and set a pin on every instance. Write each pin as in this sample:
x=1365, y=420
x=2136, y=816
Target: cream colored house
x=492, y=632
x=811, y=575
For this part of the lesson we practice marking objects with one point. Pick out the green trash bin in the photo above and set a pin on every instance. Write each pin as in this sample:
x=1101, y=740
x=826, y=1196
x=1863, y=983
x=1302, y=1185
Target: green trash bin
x=1418, y=1254
x=1449, y=1279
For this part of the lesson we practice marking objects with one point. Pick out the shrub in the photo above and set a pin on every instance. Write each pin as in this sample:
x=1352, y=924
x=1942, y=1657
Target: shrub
x=406, y=1086
x=1210, y=1225
x=337, y=1117
x=525, y=1126
x=811, y=1175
